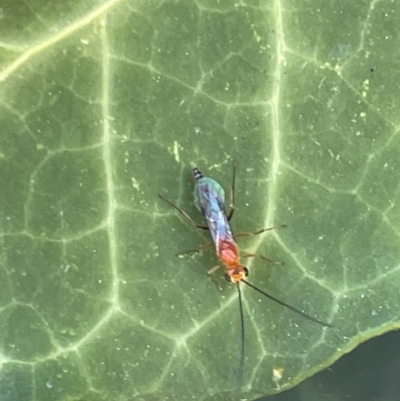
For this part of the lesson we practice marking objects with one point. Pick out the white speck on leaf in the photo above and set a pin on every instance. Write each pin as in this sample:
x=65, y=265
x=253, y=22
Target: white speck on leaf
x=176, y=151
x=135, y=183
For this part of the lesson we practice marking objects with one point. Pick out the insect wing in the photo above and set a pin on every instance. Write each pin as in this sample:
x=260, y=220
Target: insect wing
x=209, y=198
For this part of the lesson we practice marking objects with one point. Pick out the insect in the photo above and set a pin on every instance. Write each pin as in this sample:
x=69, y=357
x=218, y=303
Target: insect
x=209, y=198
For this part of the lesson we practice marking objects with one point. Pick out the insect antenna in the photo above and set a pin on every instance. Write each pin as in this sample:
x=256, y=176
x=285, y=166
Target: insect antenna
x=285, y=304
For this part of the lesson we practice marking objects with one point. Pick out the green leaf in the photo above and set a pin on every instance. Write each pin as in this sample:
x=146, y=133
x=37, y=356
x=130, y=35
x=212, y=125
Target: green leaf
x=103, y=105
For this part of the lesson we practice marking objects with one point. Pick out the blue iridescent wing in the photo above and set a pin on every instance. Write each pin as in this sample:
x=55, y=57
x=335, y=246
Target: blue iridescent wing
x=208, y=194
x=209, y=198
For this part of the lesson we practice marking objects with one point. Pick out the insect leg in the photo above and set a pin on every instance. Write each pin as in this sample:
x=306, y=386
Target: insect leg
x=202, y=249
x=253, y=255
x=213, y=270
x=247, y=234
x=211, y=274
x=183, y=213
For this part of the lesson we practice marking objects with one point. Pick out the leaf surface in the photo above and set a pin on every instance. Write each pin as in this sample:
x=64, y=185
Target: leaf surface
x=104, y=105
